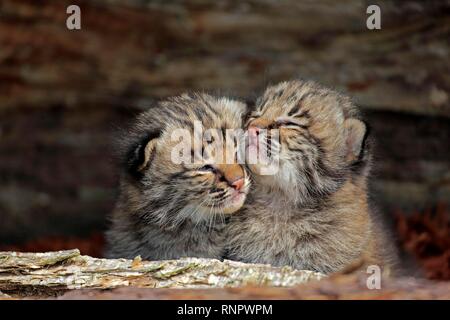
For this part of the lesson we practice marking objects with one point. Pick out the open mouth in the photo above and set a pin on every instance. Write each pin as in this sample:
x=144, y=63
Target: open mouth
x=253, y=145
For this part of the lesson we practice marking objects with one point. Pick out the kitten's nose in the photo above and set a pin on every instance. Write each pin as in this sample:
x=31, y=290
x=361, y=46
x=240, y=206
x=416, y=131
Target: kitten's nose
x=238, y=184
x=253, y=133
x=233, y=174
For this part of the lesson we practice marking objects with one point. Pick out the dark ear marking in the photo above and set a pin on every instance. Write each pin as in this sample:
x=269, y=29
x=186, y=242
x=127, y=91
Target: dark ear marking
x=364, y=145
x=364, y=156
x=140, y=154
x=357, y=133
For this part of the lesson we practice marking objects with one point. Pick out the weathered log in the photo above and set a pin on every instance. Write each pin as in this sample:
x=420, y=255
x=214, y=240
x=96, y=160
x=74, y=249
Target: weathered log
x=129, y=50
x=69, y=275
x=52, y=273
x=337, y=287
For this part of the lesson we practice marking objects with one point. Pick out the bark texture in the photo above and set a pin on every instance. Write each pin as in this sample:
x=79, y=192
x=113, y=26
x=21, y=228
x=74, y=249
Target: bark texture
x=68, y=275
x=338, y=287
x=51, y=273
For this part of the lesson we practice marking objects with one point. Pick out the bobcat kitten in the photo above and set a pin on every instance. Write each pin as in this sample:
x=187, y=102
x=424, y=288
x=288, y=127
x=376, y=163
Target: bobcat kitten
x=313, y=213
x=167, y=210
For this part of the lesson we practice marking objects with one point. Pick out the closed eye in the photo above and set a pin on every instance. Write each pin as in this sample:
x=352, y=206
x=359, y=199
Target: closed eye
x=289, y=123
x=207, y=168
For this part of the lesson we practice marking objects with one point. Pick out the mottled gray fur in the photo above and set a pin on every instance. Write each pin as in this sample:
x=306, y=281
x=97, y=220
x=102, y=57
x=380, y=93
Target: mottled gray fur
x=313, y=213
x=167, y=210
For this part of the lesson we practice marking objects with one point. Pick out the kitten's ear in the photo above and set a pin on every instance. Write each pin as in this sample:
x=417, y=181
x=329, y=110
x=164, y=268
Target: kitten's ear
x=355, y=136
x=140, y=155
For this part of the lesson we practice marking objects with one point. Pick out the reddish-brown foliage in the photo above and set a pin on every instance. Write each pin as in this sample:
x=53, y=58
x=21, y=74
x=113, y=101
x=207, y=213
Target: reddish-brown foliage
x=426, y=235
x=92, y=245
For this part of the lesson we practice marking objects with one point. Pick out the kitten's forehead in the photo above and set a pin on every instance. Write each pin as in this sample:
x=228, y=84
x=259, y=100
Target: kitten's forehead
x=201, y=109
x=199, y=116
x=294, y=98
x=221, y=113
x=279, y=99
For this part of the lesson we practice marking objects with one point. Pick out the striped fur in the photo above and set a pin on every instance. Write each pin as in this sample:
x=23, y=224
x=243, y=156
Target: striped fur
x=313, y=213
x=167, y=210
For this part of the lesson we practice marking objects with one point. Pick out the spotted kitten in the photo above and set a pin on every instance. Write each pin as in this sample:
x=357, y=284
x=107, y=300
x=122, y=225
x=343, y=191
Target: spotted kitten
x=167, y=210
x=313, y=213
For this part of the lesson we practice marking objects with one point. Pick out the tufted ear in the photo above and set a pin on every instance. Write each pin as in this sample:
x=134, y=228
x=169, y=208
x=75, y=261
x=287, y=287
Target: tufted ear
x=355, y=136
x=140, y=154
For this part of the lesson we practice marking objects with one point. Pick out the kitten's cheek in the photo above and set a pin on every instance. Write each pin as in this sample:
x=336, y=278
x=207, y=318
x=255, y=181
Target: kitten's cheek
x=252, y=156
x=254, y=168
x=236, y=202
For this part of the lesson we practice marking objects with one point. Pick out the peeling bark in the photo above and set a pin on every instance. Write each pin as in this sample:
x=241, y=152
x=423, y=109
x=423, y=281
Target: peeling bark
x=338, y=287
x=68, y=275
x=52, y=273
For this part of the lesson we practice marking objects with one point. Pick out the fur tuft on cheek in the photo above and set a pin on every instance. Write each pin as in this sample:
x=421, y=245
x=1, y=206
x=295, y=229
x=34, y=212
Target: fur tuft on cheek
x=286, y=178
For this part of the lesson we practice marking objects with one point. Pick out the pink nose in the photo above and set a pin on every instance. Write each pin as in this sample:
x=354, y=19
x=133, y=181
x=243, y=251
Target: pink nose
x=238, y=184
x=253, y=133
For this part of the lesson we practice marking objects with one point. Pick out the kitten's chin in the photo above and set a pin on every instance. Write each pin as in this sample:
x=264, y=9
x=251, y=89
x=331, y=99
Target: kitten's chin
x=235, y=205
x=281, y=177
x=230, y=206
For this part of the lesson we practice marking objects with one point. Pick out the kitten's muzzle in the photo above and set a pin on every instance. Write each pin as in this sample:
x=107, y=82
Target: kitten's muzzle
x=253, y=136
x=232, y=174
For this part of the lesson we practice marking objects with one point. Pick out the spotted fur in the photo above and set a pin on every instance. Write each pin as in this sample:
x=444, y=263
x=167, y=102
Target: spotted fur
x=167, y=210
x=313, y=213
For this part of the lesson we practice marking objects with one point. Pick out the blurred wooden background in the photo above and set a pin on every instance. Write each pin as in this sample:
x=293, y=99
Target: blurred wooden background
x=63, y=93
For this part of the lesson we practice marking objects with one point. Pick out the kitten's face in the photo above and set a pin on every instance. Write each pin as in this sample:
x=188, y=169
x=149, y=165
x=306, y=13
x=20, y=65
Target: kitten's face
x=208, y=184
x=184, y=184
x=313, y=139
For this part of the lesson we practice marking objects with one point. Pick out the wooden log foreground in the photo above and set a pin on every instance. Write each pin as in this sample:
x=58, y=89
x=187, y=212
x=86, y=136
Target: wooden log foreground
x=51, y=273
x=68, y=275
x=338, y=287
